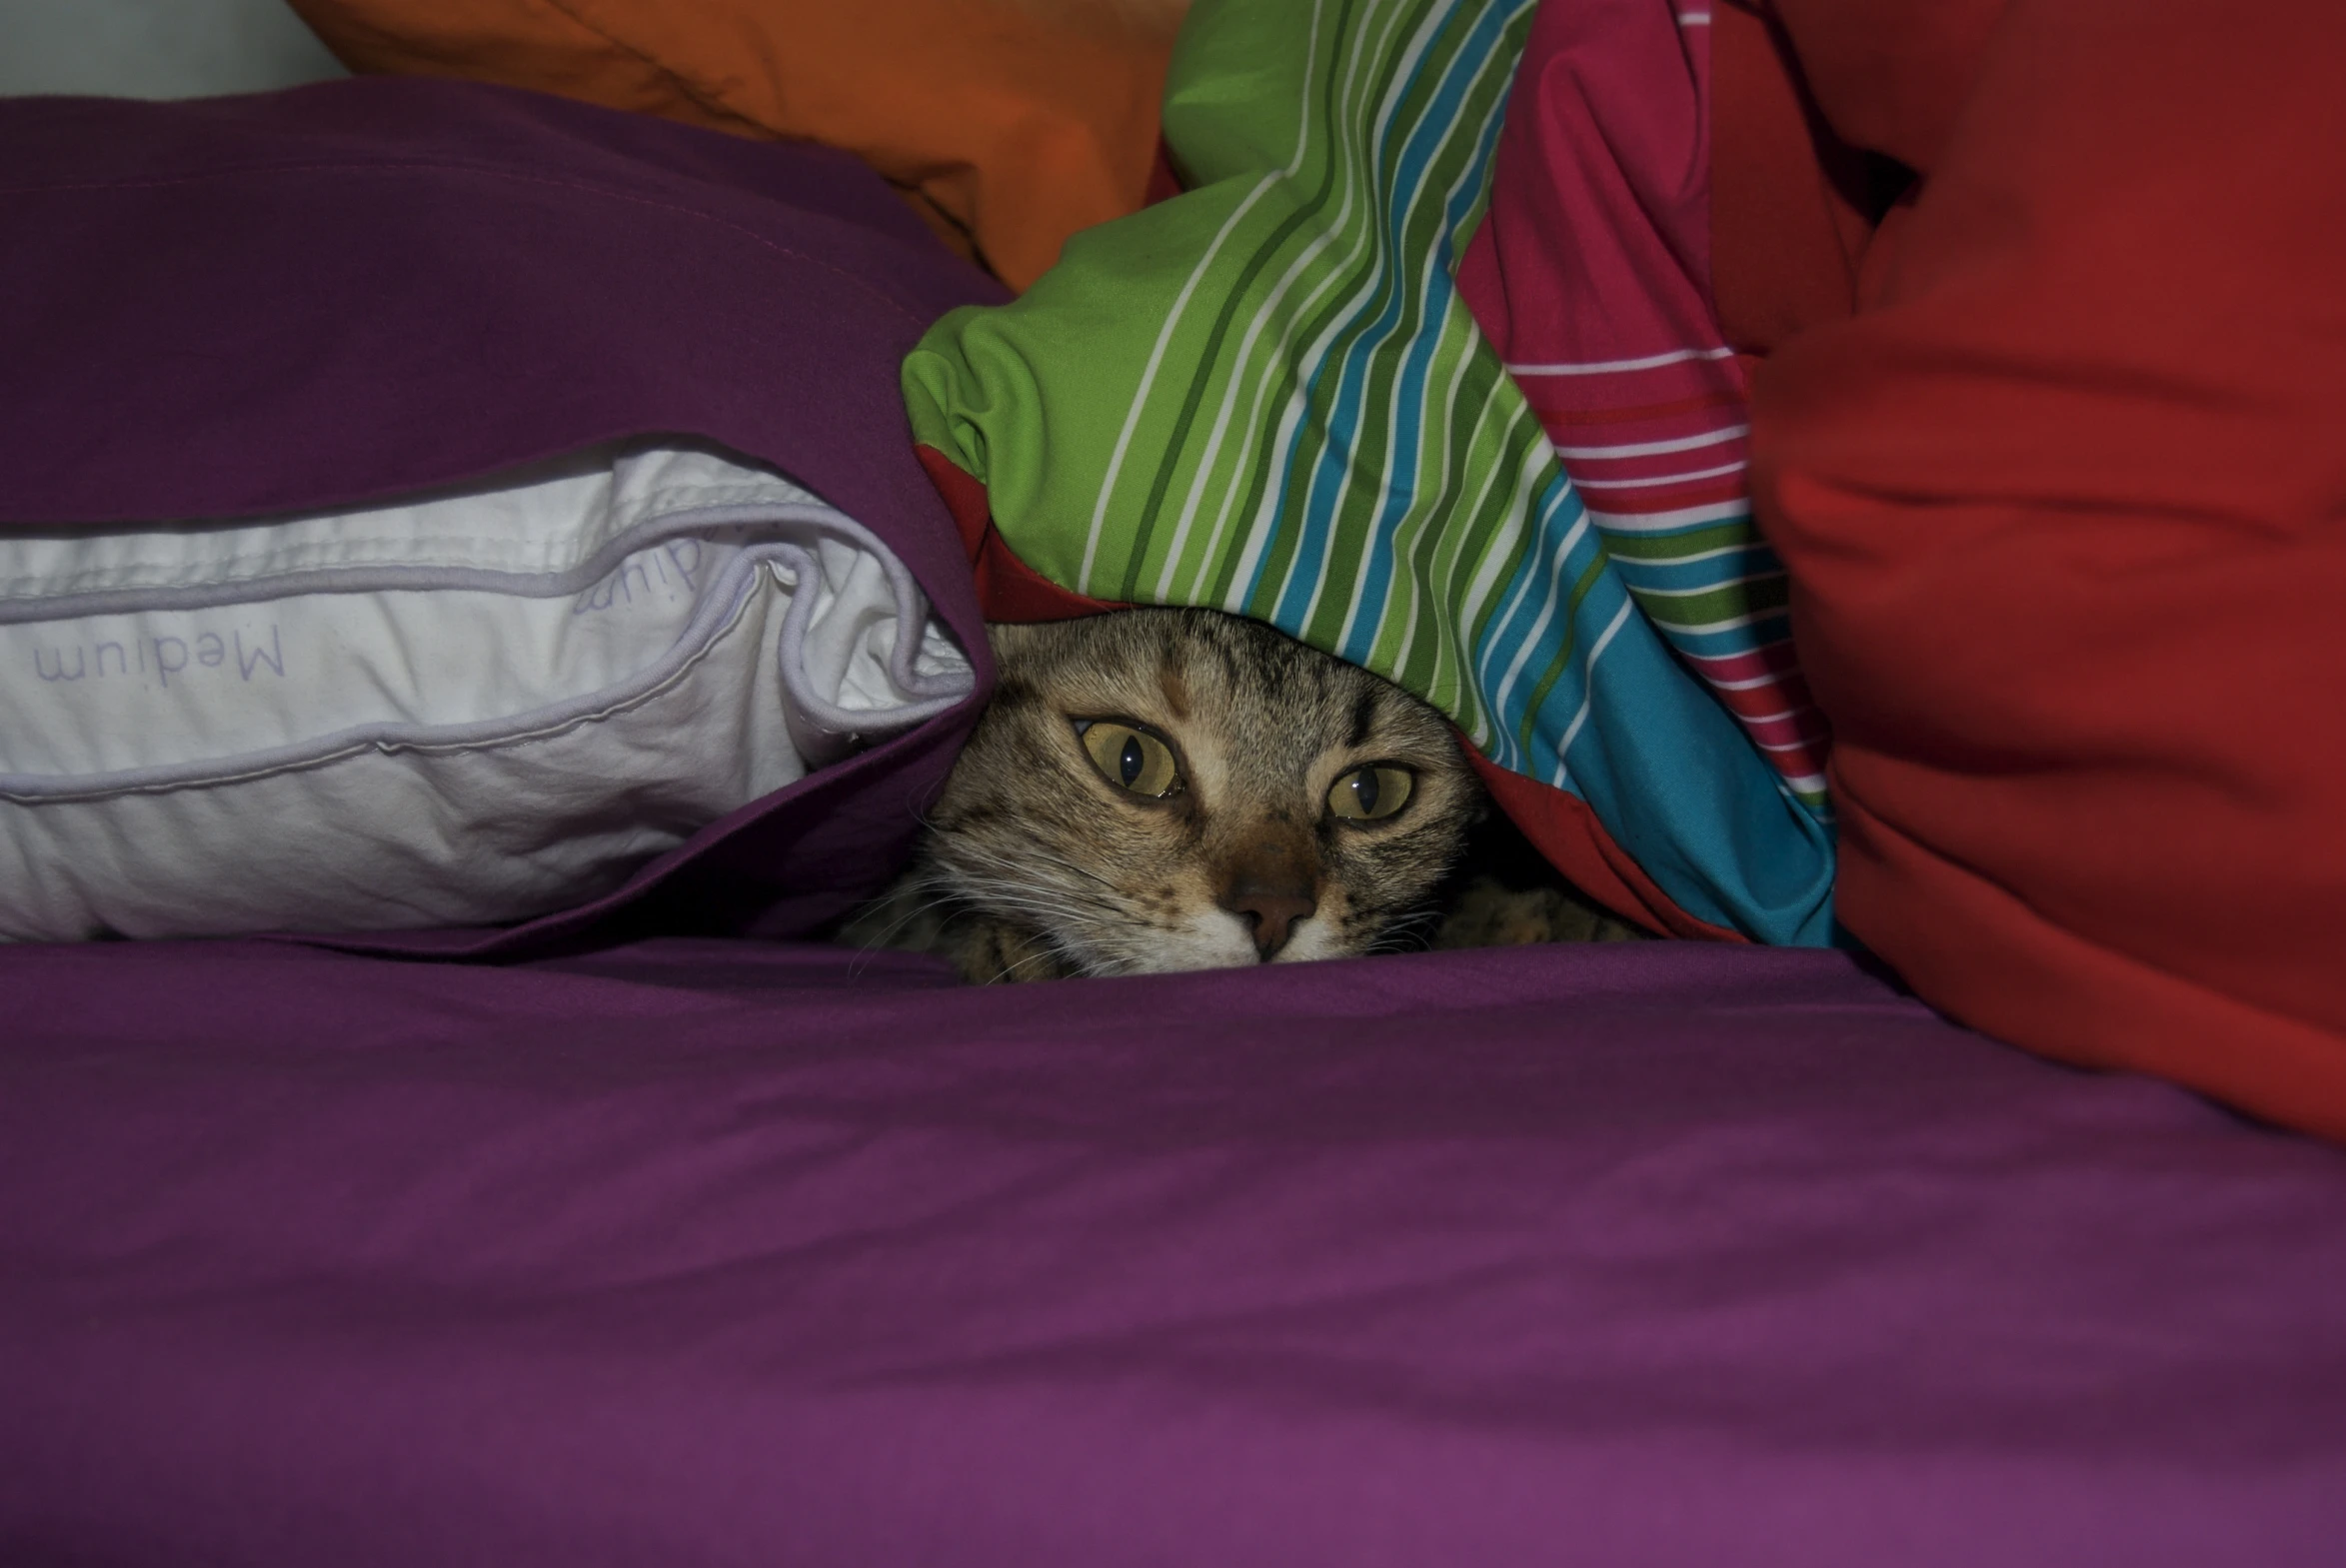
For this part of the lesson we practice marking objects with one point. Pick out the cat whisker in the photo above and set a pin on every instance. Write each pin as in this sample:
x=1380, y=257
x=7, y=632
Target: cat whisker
x=881, y=942
x=1047, y=951
x=1029, y=893
x=986, y=890
x=1070, y=865
x=1013, y=901
x=1006, y=864
x=920, y=893
x=1408, y=934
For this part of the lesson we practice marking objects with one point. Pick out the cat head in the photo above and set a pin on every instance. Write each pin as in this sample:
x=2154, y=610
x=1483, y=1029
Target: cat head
x=1158, y=789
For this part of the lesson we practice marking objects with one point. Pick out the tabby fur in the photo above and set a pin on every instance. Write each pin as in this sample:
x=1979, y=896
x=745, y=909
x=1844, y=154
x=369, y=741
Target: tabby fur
x=1038, y=864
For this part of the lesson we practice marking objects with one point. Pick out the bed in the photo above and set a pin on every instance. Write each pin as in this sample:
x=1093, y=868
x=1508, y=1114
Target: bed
x=633, y=1222
x=705, y=1252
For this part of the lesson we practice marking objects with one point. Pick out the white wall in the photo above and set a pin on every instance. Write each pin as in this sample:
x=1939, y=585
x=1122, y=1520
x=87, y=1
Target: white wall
x=156, y=48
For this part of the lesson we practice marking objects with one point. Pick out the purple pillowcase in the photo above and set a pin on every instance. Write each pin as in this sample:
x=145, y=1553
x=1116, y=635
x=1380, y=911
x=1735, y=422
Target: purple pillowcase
x=241, y=306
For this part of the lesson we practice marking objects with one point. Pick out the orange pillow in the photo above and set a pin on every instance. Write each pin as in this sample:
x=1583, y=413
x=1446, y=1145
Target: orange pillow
x=2064, y=508
x=1009, y=124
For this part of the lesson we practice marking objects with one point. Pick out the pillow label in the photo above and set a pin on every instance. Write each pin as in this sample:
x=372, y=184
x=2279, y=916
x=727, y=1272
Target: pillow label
x=81, y=661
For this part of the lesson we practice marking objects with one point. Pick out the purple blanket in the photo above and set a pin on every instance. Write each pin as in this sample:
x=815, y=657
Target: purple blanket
x=703, y=1252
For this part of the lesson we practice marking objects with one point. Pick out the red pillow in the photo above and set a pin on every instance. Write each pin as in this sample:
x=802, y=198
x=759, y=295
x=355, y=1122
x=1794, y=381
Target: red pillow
x=2064, y=504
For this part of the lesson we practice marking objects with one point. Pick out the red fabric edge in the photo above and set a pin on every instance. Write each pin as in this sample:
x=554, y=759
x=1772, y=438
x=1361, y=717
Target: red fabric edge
x=1564, y=828
x=1007, y=588
x=1165, y=182
x=1560, y=825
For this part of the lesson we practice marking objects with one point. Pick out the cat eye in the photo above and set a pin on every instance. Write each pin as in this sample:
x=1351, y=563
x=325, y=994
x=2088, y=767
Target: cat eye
x=1372, y=793
x=1130, y=757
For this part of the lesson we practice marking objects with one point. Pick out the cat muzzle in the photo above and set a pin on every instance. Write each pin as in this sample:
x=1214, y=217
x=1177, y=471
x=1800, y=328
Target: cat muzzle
x=1271, y=886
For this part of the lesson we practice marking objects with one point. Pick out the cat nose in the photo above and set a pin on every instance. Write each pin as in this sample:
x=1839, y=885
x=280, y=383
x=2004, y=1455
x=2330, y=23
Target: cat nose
x=1270, y=912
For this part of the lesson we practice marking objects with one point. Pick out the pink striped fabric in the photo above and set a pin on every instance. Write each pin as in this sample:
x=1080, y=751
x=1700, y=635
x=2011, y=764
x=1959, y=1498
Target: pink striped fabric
x=1591, y=276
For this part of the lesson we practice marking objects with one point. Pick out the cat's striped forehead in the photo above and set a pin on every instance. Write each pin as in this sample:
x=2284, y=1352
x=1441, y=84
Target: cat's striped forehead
x=1212, y=676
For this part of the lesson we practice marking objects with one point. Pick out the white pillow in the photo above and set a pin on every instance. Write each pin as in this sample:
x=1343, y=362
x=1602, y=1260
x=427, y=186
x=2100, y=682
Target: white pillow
x=468, y=708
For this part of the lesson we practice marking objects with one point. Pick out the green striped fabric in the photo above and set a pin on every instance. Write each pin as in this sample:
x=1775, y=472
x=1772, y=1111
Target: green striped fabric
x=1266, y=396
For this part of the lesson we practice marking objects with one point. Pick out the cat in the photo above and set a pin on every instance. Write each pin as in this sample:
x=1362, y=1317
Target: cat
x=1160, y=790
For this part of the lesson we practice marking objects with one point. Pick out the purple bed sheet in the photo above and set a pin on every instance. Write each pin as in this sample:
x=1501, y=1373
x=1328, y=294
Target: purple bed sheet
x=717, y=1253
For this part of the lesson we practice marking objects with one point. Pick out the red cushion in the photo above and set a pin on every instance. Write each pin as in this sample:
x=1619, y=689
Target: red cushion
x=2065, y=502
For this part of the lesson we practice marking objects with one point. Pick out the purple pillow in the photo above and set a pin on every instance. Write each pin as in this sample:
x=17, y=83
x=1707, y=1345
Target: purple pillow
x=237, y=307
